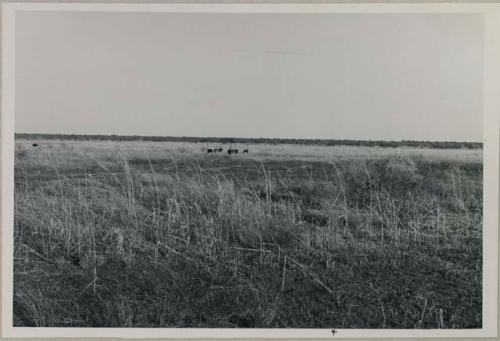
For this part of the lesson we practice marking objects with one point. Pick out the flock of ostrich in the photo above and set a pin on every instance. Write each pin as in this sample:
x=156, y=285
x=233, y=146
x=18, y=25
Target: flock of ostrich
x=229, y=150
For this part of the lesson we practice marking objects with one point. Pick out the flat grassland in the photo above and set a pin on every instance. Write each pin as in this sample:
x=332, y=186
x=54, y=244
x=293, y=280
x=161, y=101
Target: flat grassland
x=160, y=234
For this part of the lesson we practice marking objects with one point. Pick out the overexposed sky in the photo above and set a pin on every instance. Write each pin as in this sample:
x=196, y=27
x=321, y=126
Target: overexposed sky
x=354, y=76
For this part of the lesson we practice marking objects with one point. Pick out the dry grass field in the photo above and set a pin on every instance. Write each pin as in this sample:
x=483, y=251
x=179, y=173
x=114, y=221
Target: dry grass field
x=150, y=234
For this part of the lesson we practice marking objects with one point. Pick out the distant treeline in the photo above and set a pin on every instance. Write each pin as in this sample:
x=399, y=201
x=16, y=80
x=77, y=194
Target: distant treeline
x=221, y=140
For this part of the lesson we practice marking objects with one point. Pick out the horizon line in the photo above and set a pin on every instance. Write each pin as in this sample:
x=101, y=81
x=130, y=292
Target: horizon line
x=250, y=138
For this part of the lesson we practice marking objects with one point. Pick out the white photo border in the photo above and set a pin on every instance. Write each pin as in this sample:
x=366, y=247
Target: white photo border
x=491, y=140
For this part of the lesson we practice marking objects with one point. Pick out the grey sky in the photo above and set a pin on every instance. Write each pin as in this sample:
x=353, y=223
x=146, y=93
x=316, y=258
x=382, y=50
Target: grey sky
x=357, y=76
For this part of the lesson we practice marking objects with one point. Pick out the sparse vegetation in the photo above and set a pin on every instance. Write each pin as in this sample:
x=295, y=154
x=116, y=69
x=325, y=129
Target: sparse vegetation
x=272, y=141
x=109, y=238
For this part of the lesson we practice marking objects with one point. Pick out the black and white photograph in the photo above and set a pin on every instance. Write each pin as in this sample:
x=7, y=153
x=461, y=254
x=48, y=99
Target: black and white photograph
x=281, y=170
